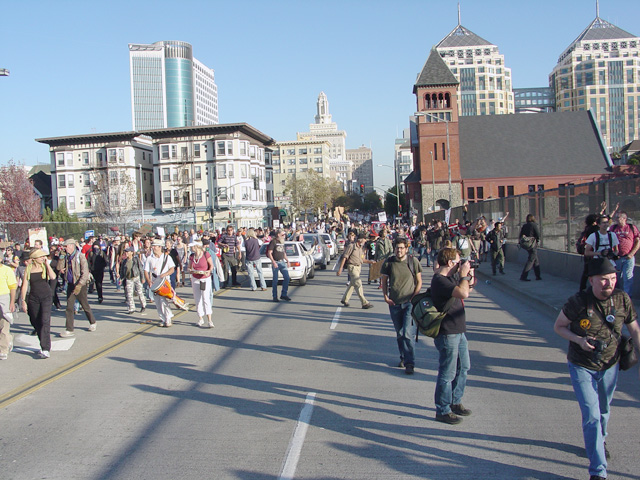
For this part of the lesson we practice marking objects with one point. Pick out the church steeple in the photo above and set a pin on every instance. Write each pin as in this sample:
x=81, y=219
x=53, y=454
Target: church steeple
x=323, y=115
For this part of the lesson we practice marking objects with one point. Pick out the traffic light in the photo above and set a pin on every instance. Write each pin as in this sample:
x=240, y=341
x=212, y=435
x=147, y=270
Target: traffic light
x=256, y=183
x=362, y=188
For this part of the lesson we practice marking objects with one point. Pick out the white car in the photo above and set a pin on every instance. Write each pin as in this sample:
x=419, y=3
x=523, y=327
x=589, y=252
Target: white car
x=300, y=260
x=333, y=248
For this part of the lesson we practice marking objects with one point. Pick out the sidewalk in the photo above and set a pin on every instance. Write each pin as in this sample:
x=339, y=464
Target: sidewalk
x=548, y=294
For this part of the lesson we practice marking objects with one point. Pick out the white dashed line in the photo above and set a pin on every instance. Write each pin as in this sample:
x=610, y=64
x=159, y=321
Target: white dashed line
x=297, y=439
x=336, y=318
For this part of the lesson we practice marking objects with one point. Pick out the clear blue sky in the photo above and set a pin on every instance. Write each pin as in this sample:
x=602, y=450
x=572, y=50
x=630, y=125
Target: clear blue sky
x=69, y=60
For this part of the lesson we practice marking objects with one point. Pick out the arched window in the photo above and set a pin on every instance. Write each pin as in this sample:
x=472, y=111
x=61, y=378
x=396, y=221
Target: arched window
x=427, y=101
x=440, y=100
x=447, y=100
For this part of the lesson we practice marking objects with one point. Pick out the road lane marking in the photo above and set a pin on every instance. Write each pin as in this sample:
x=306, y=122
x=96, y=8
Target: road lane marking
x=336, y=318
x=297, y=439
x=335, y=264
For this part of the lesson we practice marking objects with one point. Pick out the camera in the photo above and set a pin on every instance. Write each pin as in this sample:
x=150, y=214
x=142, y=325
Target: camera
x=608, y=253
x=599, y=347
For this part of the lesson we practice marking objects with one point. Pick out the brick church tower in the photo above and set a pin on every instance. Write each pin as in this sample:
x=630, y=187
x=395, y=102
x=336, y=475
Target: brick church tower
x=436, y=180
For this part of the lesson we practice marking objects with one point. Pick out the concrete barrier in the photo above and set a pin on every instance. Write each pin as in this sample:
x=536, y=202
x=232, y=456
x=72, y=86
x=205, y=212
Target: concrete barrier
x=562, y=264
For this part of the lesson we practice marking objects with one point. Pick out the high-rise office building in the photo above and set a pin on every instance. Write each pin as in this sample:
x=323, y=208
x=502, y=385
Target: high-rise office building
x=485, y=81
x=404, y=158
x=170, y=88
x=600, y=71
x=325, y=129
x=362, y=159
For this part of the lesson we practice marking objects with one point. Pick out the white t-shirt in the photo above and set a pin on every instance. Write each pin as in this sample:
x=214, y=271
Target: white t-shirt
x=154, y=264
x=604, y=241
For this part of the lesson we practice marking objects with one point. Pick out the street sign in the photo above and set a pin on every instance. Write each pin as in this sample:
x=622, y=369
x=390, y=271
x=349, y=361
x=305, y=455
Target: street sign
x=89, y=233
x=282, y=198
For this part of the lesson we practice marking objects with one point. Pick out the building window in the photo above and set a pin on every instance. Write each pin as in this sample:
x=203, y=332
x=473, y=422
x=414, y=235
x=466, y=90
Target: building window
x=99, y=158
x=435, y=151
x=62, y=181
x=164, y=152
x=113, y=177
x=220, y=148
x=222, y=171
x=501, y=192
x=70, y=182
x=184, y=151
x=62, y=200
x=113, y=155
x=230, y=173
x=69, y=157
x=243, y=148
x=471, y=193
x=510, y=191
x=60, y=157
x=72, y=202
x=121, y=155
x=196, y=150
x=176, y=197
x=166, y=196
x=86, y=180
x=480, y=193
x=222, y=193
x=198, y=195
x=197, y=172
x=85, y=158
x=302, y=151
x=166, y=175
x=243, y=171
x=87, y=201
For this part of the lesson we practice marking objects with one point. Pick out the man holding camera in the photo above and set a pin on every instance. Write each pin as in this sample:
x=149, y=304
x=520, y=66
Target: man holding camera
x=453, y=279
x=602, y=244
x=592, y=322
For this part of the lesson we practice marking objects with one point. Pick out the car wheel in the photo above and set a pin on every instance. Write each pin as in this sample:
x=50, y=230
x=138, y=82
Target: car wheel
x=312, y=272
x=324, y=266
x=303, y=281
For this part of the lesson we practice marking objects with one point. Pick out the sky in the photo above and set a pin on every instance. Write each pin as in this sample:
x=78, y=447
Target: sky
x=69, y=60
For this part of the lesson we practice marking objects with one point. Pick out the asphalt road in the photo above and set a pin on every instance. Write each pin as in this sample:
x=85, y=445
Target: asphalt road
x=302, y=390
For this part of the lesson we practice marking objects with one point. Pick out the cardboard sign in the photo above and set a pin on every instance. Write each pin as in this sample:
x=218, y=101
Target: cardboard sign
x=39, y=234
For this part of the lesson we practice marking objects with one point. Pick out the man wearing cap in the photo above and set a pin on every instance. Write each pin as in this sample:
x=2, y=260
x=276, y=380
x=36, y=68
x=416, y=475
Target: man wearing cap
x=354, y=257
x=8, y=285
x=132, y=270
x=158, y=266
x=230, y=245
x=75, y=269
x=592, y=322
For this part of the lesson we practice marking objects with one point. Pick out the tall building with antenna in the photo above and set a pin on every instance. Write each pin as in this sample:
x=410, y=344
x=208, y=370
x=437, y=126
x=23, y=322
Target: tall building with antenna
x=485, y=81
x=170, y=88
x=600, y=70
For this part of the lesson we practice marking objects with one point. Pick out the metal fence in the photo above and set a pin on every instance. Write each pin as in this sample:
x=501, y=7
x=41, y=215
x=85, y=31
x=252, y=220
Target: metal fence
x=560, y=212
x=19, y=231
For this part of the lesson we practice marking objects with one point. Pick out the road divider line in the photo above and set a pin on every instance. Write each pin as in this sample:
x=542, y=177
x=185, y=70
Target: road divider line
x=30, y=387
x=297, y=439
x=336, y=318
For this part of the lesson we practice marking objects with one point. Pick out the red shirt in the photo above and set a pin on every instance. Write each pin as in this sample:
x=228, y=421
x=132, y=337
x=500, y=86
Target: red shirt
x=626, y=237
x=201, y=265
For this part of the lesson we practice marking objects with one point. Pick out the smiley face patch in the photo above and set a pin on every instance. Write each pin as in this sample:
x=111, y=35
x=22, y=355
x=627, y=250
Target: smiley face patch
x=585, y=324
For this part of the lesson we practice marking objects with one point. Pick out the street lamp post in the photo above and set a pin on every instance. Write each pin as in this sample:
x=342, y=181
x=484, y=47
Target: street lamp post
x=438, y=119
x=395, y=171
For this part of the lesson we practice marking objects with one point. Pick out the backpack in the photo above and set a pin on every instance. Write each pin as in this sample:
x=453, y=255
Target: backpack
x=426, y=315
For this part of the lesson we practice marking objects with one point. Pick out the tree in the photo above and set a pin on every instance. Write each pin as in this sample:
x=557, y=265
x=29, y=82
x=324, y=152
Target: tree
x=114, y=198
x=311, y=193
x=391, y=202
x=62, y=224
x=634, y=160
x=371, y=202
x=19, y=202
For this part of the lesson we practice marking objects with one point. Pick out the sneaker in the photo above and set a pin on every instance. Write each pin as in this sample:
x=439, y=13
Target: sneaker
x=201, y=323
x=211, y=325
x=409, y=369
x=597, y=477
x=130, y=312
x=460, y=410
x=524, y=279
x=401, y=364
x=263, y=289
x=143, y=311
x=346, y=304
x=367, y=306
x=92, y=327
x=284, y=297
x=275, y=299
x=100, y=300
x=44, y=354
x=450, y=418
x=67, y=334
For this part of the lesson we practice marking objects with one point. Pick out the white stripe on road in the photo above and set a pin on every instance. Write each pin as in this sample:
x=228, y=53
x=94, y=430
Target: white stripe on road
x=297, y=439
x=335, y=264
x=336, y=318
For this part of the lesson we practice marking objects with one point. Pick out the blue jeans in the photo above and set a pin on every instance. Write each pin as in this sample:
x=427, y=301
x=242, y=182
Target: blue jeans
x=625, y=266
x=281, y=267
x=257, y=264
x=405, y=331
x=453, y=365
x=594, y=391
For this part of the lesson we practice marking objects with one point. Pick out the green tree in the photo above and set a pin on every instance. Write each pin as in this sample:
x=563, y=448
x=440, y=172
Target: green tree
x=634, y=160
x=391, y=202
x=371, y=202
x=60, y=223
x=311, y=193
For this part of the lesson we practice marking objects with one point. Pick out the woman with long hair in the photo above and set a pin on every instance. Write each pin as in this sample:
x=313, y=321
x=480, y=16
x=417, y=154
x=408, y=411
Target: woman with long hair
x=36, y=297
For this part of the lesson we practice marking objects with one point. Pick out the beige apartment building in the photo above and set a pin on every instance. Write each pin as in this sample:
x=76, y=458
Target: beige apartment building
x=600, y=71
x=362, y=161
x=485, y=81
x=105, y=172
x=296, y=157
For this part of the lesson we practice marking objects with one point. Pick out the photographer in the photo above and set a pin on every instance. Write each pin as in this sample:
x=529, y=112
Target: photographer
x=592, y=323
x=453, y=279
x=602, y=244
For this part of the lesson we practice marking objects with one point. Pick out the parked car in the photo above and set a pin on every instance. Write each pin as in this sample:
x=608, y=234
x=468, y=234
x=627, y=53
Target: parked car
x=315, y=244
x=300, y=260
x=333, y=248
x=341, y=239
